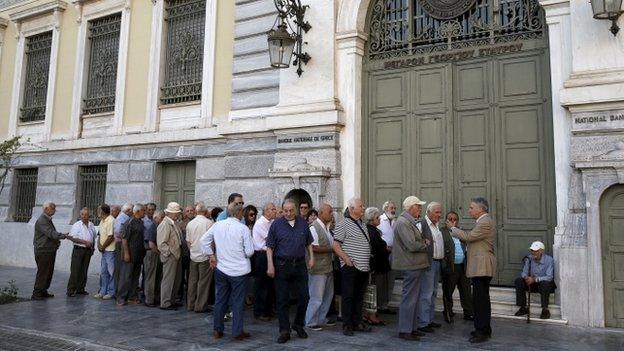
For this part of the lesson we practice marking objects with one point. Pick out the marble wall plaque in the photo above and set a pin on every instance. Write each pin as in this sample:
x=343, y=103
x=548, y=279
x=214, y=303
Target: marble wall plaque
x=598, y=121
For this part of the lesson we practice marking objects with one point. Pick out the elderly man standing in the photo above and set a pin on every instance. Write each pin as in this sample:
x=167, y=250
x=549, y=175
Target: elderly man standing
x=169, y=244
x=152, y=268
x=481, y=266
x=82, y=234
x=133, y=252
x=233, y=245
x=124, y=216
x=410, y=254
x=429, y=287
x=454, y=274
x=106, y=245
x=321, y=278
x=352, y=245
x=288, y=240
x=264, y=288
x=200, y=272
x=46, y=242
x=538, y=276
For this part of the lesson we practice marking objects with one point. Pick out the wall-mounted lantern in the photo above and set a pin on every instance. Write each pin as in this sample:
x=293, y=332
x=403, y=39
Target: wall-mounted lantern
x=608, y=10
x=286, y=40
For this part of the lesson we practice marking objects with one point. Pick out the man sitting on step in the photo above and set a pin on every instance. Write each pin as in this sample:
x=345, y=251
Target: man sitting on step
x=537, y=274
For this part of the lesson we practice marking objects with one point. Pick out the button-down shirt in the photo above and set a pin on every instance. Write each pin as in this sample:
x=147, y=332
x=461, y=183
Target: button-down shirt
x=260, y=232
x=315, y=235
x=84, y=232
x=542, y=270
x=195, y=229
x=106, y=230
x=289, y=241
x=233, y=245
x=121, y=219
x=387, y=233
x=224, y=215
x=459, y=251
x=438, y=240
x=148, y=223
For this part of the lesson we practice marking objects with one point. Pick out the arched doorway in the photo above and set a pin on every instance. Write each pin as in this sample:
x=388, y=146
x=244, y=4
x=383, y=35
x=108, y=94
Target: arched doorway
x=299, y=196
x=612, y=234
x=456, y=105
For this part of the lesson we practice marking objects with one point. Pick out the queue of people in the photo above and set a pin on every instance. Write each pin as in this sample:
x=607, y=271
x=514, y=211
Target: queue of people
x=292, y=254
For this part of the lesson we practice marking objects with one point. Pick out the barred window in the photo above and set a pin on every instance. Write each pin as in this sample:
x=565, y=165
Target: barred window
x=38, y=49
x=25, y=193
x=184, y=51
x=102, y=74
x=93, y=189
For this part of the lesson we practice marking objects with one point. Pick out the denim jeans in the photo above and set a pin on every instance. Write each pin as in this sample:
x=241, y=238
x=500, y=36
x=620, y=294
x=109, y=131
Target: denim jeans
x=230, y=294
x=321, y=288
x=107, y=271
x=428, y=294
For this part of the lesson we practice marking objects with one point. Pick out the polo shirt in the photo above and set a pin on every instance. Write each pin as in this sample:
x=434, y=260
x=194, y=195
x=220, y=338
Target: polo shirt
x=355, y=243
x=288, y=241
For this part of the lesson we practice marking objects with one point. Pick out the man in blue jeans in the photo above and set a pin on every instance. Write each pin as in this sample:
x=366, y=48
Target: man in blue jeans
x=106, y=245
x=289, y=238
x=232, y=249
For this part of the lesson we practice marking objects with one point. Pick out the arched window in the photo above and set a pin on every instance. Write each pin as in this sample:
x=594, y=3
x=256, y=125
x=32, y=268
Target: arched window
x=408, y=27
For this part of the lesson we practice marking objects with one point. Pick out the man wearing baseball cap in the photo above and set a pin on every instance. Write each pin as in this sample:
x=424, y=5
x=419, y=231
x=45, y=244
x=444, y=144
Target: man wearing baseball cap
x=538, y=274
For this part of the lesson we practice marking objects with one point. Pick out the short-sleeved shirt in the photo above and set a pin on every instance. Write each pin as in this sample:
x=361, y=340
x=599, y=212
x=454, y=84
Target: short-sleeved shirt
x=83, y=231
x=106, y=230
x=120, y=221
x=288, y=241
x=133, y=232
x=149, y=225
x=353, y=236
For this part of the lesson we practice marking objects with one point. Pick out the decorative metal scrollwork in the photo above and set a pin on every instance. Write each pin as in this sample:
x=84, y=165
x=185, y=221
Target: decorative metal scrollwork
x=407, y=27
x=38, y=49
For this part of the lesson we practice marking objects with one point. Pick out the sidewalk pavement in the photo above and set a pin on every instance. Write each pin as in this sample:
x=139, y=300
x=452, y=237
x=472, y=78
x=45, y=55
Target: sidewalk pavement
x=85, y=323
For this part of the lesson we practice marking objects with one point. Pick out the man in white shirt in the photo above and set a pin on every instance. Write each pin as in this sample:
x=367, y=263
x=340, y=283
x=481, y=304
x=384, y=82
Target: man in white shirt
x=386, y=220
x=320, y=277
x=264, y=288
x=82, y=234
x=430, y=278
x=200, y=272
x=233, y=246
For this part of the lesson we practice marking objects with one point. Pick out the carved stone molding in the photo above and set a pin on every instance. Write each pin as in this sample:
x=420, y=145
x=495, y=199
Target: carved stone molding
x=314, y=178
x=79, y=5
x=54, y=8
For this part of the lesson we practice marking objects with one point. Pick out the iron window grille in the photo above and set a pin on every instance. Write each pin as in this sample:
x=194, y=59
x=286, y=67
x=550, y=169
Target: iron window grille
x=403, y=27
x=25, y=193
x=184, y=51
x=103, y=56
x=93, y=189
x=38, y=49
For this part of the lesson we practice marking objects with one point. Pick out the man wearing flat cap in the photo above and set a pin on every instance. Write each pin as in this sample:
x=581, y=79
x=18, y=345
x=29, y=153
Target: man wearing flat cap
x=537, y=274
x=169, y=239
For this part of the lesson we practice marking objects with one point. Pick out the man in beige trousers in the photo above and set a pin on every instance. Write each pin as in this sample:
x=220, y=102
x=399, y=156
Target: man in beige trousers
x=200, y=272
x=169, y=241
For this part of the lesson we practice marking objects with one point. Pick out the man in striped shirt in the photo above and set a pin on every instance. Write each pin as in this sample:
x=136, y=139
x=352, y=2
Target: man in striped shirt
x=352, y=245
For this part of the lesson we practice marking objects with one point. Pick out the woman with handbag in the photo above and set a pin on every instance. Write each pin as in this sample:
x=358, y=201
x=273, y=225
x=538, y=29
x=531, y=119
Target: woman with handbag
x=380, y=267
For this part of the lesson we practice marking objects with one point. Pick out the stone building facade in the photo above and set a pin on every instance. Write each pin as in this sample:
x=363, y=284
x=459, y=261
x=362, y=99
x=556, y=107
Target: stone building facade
x=263, y=132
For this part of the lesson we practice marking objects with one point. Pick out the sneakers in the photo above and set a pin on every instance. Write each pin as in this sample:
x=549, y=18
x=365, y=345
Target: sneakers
x=315, y=327
x=330, y=323
x=107, y=297
x=545, y=313
x=98, y=296
x=522, y=311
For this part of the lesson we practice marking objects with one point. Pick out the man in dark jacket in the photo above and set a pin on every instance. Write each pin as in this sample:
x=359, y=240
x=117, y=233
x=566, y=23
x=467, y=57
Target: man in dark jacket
x=133, y=252
x=454, y=273
x=45, y=242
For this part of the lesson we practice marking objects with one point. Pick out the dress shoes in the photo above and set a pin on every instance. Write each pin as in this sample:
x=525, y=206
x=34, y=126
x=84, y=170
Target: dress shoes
x=242, y=336
x=408, y=337
x=301, y=333
x=427, y=329
x=479, y=338
x=284, y=337
x=363, y=328
x=150, y=304
x=37, y=297
x=545, y=313
x=468, y=317
x=169, y=308
x=217, y=334
x=386, y=311
x=418, y=333
x=47, y=295
x=263, y=318
x=435, y=325
x=522, y=311
x=447, y=317
x=348, y=331
x=82, y=292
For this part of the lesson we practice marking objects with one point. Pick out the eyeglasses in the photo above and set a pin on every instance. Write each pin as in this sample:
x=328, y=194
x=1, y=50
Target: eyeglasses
x=303, y=207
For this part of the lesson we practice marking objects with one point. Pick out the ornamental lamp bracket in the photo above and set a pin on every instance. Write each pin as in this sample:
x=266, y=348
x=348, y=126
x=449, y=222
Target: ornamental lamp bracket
x=608, y=10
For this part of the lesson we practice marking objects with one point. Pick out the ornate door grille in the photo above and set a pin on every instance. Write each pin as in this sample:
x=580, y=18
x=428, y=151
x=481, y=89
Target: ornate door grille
x=38, y=48
x=184, y=51
x=102, y=75
x=25, y=193
x=403, y=27
x=93, y=189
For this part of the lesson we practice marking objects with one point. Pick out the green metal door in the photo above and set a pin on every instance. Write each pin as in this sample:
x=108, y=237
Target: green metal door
x=475, y=125
x=612, y=228
x=178, y=179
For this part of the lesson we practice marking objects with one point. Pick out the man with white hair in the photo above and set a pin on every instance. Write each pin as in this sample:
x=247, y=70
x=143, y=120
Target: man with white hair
x=82, y=234
x=152, y=268
x=410, y=255
x=133, y=252
x=264, y=287
x=169, y=239
x=429, y=227
x=200, y=272
x=124, y=216
x=352, y=245
x=386, y=221
x=46, y=242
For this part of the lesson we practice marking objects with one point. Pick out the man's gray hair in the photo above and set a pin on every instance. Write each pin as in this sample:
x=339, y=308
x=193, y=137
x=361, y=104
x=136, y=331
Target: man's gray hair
x=115, y=207
x=433, y=205
x=201, y=208
x=267, y=205
x=48, y=204
x=126, y=207
x=289, y=201
x=371, y=213
x=482, y=202
x=137, y=208
x=386, y=204
x=159, y=213
x=234, y=208
x=352, y=201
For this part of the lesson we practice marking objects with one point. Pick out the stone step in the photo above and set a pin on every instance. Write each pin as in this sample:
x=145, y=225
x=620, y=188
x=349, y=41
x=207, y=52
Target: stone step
x=503, y=304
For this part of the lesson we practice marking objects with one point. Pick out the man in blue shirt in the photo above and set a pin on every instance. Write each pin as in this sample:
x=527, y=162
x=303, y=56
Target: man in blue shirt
x=233, y=198
x=287, y=242
x=453, y=269
x=538, y=274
